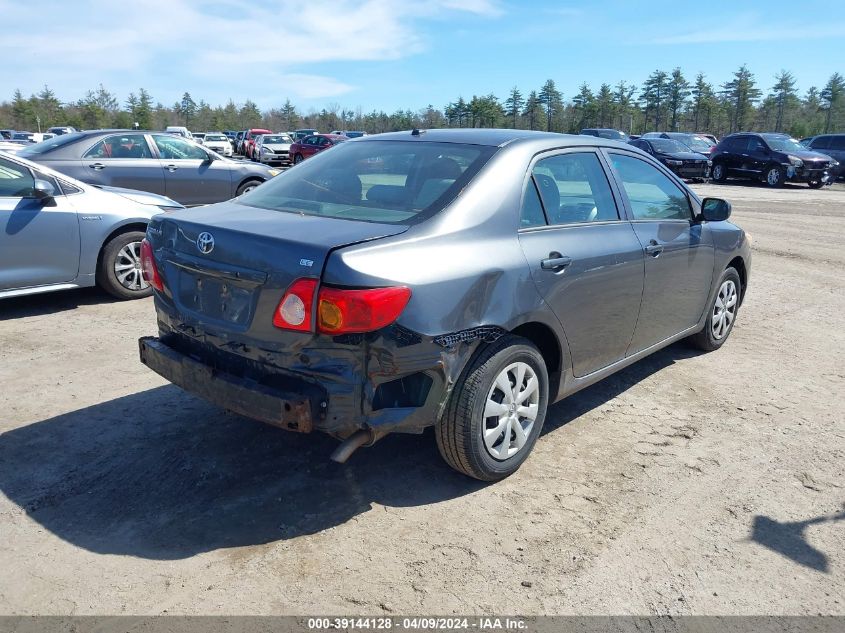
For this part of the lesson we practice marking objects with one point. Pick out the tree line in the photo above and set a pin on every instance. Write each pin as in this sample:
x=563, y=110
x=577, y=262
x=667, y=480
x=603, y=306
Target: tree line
x=666, y=101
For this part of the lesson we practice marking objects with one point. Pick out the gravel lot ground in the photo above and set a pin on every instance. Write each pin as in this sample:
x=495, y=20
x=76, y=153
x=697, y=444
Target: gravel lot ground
x=688, y=483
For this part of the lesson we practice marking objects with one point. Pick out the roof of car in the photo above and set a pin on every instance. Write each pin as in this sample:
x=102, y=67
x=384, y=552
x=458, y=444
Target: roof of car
x=488, y=136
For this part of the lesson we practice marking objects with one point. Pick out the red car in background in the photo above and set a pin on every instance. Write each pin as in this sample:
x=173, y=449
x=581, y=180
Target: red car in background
x=249, y=140
x=310, y=145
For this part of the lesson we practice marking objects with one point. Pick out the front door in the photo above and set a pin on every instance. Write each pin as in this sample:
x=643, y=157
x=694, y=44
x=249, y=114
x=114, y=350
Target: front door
x=190, y=177
x=679, y=254
x=585, y=259
x=39, y=241
x=123, y=160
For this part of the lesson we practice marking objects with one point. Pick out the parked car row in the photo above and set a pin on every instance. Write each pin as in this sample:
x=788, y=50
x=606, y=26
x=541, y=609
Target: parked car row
x=773, y=158
x=158, y=162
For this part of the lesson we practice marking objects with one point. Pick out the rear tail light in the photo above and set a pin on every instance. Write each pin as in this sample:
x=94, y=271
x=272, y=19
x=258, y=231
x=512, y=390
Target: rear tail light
x=339, y=311
x=296, y=307
x=149, y=270
x=350, y=311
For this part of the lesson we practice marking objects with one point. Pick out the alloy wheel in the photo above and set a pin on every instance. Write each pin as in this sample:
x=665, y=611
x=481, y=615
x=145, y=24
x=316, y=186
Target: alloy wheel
x=724, y=310
x=510, y=411
x=127, y=267
x=773, y=176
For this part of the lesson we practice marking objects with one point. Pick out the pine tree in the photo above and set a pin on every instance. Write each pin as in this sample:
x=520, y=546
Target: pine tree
x=831, y=98
x=605, y=106
x=533, y=111
x=783, y=94
x=678, y=93
x=653, y=96
x=551, y=98
x=702, y=102
x=740, y=94
x=187, y=108
x=623, y=96
x=513, y=105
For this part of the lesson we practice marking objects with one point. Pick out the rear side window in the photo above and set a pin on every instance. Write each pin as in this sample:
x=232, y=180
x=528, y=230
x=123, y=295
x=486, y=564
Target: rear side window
x=652, y=195
x=120, y=146
x=574, y=188
x=376, y=181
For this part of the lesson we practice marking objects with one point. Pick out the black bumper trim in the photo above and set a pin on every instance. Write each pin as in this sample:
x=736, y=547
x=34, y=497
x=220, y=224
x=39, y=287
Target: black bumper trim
x=293, y=409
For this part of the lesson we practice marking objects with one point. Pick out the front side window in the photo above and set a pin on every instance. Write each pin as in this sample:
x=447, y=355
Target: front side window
x=120, y=146
x=838, y=142
x=574, y=188
x=820, y=142
x=376, y=181
x=652, y=195
x=175, y=148
x=16, y=181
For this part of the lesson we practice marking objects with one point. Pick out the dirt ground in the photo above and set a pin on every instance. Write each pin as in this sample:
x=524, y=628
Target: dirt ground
x=687, y=484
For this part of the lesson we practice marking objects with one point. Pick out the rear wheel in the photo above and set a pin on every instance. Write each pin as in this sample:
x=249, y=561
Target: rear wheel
x=815, y=184
x=719, y=174
x=248, y=186
x=775, y=176
x=119, y=271
x=722, y=315
x=496, y=411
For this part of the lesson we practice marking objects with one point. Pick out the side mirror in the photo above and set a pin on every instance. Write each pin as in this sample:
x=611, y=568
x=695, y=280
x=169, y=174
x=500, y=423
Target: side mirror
x=715, y=210
x=209, y=158
x=43, y=191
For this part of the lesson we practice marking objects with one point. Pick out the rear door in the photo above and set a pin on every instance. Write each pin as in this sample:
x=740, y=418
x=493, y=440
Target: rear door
x=679, y=254
x=584, y=256
x=190, y=177
x=39, y=242
x=123, y=160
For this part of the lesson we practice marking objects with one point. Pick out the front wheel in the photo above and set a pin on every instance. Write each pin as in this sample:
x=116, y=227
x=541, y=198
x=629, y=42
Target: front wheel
x=246, y=187
x=719, y=174
x=775, y=176
x=119, y=270
x=297, y=159
x=815, y=184
x=496, y=410
x=722, y=314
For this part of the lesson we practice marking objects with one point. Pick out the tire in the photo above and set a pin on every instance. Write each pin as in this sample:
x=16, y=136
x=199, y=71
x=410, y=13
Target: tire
x=297, y=158
x=815, y=184
x=249, y=185
x=460, y=430
x=719, y=173
x=712, y=337
x=119, y=253
x=774, y=176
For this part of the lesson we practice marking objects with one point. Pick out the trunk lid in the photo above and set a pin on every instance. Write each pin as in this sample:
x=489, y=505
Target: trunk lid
x=226, y=263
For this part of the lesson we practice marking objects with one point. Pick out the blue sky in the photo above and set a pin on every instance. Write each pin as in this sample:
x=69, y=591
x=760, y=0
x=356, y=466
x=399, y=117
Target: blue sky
x=381, y=54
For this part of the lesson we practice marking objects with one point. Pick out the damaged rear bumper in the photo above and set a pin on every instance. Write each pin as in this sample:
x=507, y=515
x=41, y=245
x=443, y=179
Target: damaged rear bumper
x=294, y=405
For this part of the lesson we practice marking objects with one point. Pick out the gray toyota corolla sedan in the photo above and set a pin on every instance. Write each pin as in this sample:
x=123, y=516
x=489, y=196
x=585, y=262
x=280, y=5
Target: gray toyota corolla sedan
x=464, y=279
x=157, y=162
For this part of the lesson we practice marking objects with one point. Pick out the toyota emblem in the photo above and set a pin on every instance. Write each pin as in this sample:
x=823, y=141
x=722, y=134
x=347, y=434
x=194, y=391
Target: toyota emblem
x=205, y=242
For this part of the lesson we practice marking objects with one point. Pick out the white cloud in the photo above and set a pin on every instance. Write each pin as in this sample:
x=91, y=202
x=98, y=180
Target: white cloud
x=240, y=43
x=747, y=29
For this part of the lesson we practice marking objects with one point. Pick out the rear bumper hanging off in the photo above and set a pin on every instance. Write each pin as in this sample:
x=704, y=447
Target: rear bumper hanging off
x=292, y=409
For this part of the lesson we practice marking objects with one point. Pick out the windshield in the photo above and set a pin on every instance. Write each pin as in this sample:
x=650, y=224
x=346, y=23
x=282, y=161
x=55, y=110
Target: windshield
x=277, y=138
x=215, y=137
x=784, y=144
x=668, y=146
x=394, y=182
x=50, y=144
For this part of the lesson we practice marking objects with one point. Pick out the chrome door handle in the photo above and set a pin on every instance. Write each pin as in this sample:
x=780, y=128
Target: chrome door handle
x=97, y=166
x=555, y=262
x=654, y=249
x=171, y=167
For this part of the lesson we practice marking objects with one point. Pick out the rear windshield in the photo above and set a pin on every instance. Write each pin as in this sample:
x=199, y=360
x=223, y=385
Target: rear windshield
x=394, y=182
x=50, y=144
